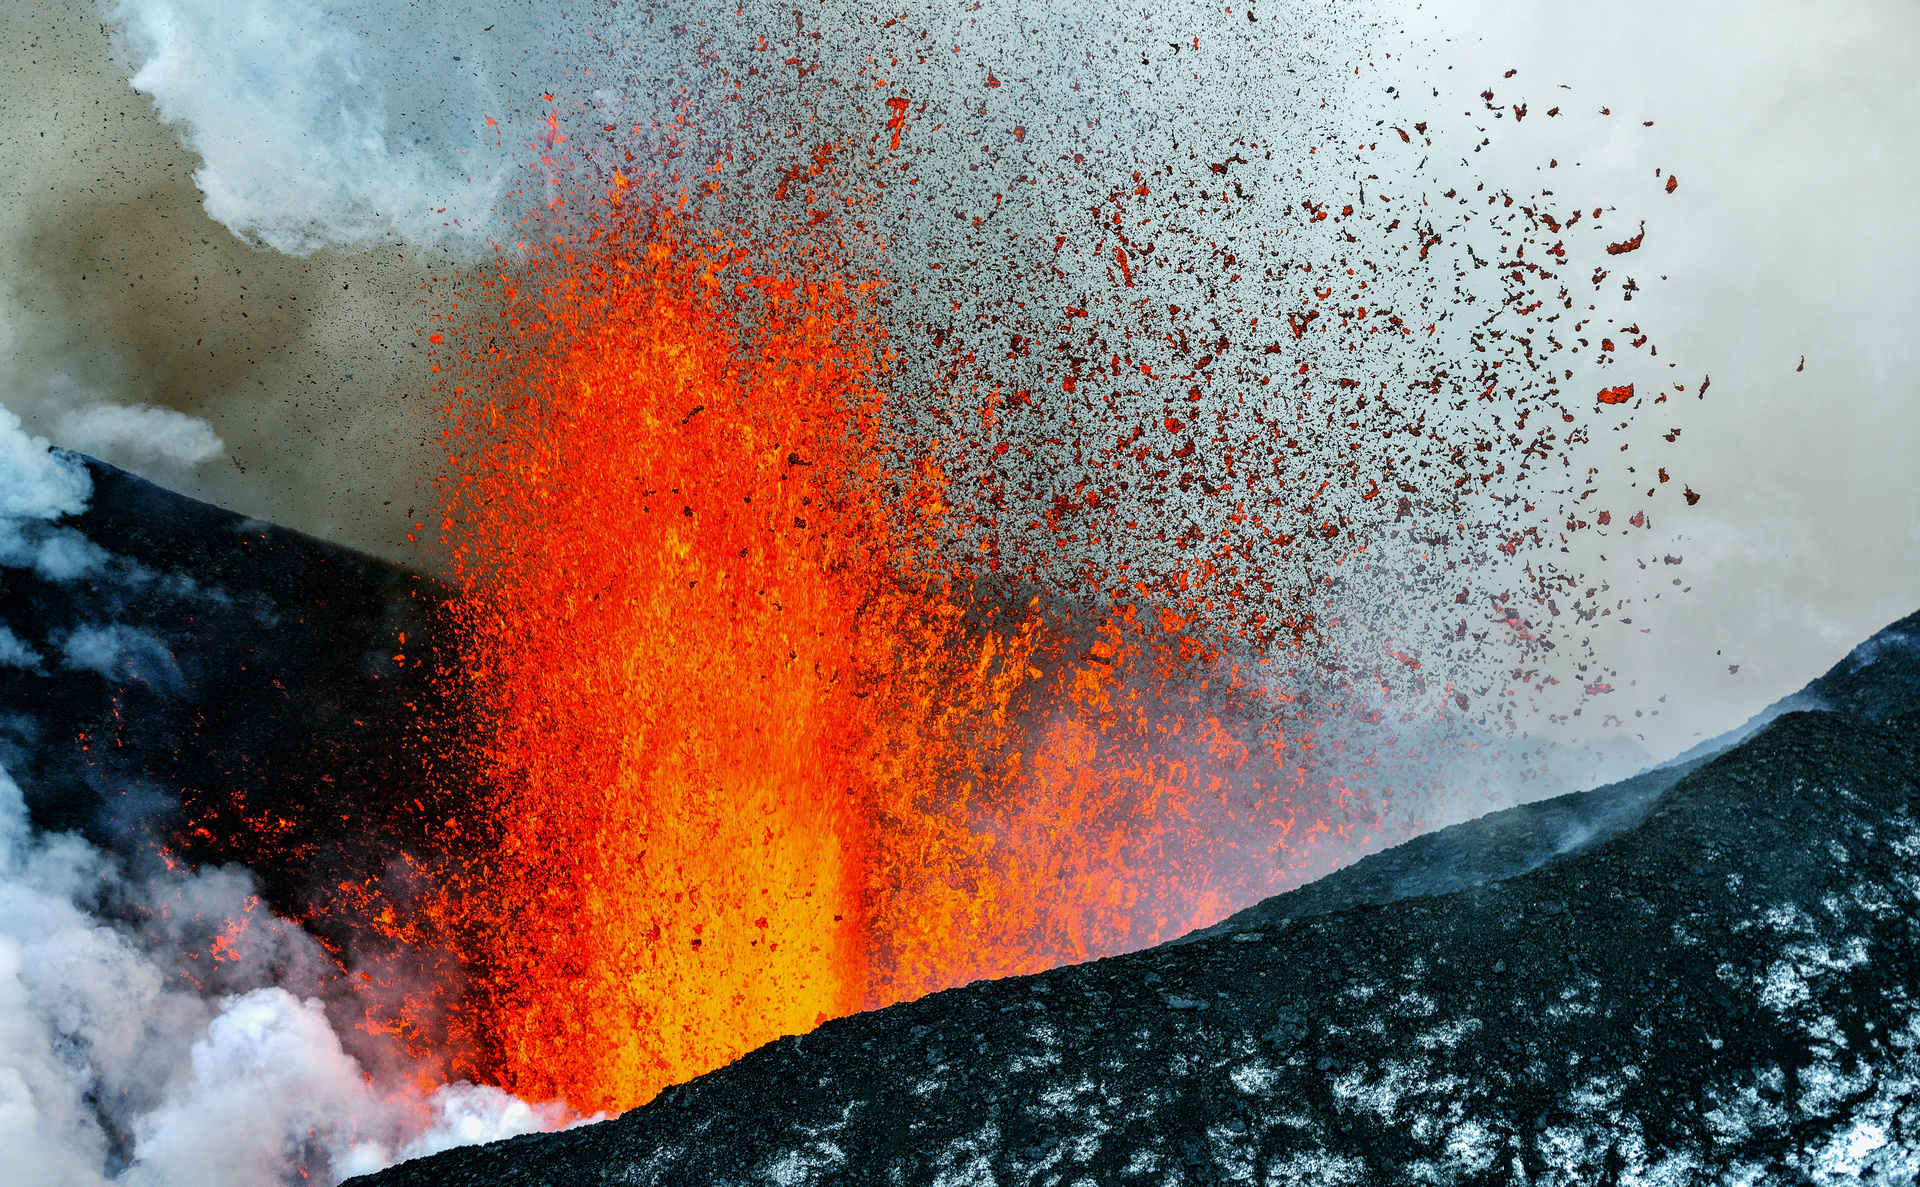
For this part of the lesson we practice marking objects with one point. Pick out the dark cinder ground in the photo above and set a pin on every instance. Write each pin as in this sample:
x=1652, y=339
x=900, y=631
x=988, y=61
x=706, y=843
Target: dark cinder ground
x=256, y=671
x=1706, y=975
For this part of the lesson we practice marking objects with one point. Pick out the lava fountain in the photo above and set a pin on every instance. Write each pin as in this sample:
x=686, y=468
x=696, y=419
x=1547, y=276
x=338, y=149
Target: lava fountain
x=672, y=544
x=765, y=731
x=753, y=755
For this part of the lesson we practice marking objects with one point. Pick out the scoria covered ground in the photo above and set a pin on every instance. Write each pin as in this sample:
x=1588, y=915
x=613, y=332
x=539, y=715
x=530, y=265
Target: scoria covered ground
x=1720, y=991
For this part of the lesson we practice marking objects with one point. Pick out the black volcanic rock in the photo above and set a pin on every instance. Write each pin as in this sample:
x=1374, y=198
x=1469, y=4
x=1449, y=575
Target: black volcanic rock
x=1490, y=848
x=217, y=672
x=1722, y=990
x=1877, y=680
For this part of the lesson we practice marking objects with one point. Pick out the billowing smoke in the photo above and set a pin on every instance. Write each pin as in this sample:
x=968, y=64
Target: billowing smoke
x=160, y=1025
x=301, y=144
x=116, y=1066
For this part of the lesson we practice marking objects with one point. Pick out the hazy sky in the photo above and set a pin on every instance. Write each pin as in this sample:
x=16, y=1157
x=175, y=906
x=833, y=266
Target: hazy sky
x=1790, y=234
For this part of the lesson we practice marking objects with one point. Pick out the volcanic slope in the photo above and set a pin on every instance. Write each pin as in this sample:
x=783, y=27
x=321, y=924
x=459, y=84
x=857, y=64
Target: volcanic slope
x=233, y=690
x=1722, y=990
x=1878, y=680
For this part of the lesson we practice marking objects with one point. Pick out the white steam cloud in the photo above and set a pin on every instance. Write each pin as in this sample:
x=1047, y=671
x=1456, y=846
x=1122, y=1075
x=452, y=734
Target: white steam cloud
x=114, y=1067
x=292, y=111
x=39, y=484
x=423, y=124
x=124, y=655
x=141, y=433
x=14, y=653
x=37, y=487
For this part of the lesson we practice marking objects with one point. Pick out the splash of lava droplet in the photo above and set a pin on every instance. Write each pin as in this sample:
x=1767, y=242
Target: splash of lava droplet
x=671, y=554
x=753, y=758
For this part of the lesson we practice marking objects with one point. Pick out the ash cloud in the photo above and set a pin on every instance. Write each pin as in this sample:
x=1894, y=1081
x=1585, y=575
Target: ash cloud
x=355, y=135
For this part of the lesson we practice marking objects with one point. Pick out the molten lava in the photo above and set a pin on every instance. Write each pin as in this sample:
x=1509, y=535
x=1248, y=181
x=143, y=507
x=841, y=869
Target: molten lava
x=833, y=641
x=672, y=548
x=754, y=756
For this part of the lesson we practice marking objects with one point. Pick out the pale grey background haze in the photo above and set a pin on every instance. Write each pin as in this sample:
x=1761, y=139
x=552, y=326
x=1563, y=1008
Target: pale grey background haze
x=1792, y=233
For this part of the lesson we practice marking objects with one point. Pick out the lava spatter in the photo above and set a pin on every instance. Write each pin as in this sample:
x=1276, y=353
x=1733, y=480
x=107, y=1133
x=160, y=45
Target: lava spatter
x=754, y=752
x=867, y=591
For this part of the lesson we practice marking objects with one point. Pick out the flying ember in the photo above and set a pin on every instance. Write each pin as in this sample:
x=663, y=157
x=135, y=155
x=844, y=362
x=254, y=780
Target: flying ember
x=859, y=595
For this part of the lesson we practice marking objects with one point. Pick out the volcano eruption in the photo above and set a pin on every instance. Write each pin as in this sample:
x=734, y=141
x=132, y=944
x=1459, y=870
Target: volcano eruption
x=1063, y=591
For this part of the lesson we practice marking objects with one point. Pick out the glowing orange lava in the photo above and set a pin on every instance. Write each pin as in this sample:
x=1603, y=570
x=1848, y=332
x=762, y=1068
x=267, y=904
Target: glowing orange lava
x=674, y=552
x=753, y=756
